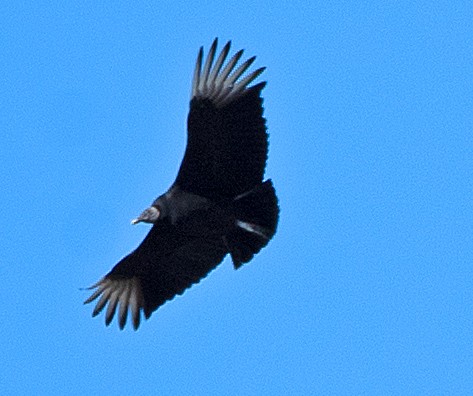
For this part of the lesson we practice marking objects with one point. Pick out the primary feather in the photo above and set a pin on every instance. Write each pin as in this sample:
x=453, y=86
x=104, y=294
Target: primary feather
x=218, y=204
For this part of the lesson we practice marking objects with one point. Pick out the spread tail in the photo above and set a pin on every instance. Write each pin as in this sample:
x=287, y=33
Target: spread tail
x=256, y=213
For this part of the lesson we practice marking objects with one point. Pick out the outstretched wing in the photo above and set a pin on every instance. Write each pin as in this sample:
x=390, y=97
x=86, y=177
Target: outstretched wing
x=227, y=143
x=165, y=264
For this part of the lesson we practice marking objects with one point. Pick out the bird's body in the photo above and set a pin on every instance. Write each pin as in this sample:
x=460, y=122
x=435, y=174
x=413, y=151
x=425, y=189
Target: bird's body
x=217, y=205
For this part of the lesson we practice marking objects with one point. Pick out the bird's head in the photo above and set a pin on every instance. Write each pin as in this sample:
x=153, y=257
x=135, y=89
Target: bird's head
x=149, y=215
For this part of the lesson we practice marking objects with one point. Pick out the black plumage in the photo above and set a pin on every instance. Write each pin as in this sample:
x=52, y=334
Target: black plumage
x=218, y=204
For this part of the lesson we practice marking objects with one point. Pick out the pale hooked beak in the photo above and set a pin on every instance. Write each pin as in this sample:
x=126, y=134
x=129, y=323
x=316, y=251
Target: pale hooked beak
x=150, y=215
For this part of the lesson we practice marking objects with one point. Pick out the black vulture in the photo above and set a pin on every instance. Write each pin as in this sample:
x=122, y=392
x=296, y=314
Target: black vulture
x=218, y=203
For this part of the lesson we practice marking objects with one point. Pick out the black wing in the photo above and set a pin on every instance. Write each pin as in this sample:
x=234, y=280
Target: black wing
x=167, y=262
x=227, y=143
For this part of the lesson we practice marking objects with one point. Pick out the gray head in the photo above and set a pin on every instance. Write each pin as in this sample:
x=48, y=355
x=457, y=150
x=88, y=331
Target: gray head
x=149, y=215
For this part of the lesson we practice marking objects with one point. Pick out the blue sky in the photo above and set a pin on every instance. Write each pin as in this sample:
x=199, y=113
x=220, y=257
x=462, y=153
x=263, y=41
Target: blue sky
x=367, y=286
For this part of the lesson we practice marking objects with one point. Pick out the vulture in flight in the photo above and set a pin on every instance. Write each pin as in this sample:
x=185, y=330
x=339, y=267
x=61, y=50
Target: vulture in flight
x=218, y=204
